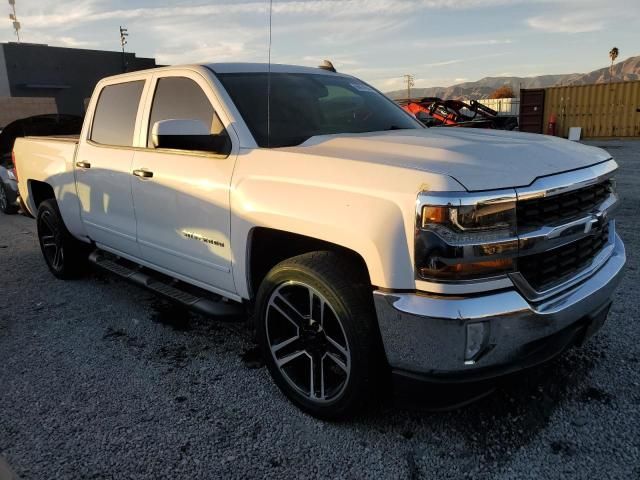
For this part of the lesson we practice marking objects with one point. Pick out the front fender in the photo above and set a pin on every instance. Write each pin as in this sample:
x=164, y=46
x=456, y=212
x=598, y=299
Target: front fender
x=370, y=211
x=372, y=227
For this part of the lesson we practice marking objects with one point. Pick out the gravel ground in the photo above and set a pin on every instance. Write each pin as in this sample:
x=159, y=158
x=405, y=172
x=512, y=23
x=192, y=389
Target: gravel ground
x=101, y=379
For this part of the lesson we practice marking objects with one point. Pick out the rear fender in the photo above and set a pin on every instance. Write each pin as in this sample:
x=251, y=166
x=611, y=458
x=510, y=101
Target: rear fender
x=49, y=161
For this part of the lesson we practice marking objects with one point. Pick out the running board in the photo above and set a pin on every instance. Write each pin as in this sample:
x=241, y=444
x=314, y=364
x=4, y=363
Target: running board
x=217, y=306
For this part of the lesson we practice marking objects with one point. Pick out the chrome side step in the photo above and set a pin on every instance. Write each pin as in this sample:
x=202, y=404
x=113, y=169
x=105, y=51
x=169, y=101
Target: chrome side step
x=192, y=297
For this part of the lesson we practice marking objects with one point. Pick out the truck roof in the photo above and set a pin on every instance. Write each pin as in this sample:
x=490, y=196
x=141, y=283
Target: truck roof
x=233, y=67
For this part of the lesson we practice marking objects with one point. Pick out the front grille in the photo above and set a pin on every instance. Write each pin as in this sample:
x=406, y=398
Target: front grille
x=550, y=210
x=546, y=269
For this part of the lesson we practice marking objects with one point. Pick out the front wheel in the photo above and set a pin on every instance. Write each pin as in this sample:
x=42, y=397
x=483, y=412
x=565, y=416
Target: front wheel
x=316, y=328
x=66, y=257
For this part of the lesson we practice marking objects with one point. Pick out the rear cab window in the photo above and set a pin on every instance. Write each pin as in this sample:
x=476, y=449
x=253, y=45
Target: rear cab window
x=115, y=115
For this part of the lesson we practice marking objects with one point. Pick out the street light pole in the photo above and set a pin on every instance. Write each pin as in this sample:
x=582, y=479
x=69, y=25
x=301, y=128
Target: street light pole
x=14, y=18
x=123, y=41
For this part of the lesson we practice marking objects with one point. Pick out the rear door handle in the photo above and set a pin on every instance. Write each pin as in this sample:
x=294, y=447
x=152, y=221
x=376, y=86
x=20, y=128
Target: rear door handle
x=83, y=165
x=143, y=173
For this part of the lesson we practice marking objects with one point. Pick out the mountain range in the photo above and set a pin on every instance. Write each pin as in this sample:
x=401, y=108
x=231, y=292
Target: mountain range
x=628, y=69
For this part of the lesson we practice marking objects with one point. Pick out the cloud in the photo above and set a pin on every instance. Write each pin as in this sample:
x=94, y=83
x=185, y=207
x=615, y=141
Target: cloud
x=399, y=83
x=90, y=11
x=379, y=40
x=72, y=42
x=49, y=39
x=572, y=23
x=76, y=12
x=460, y=43
x=586, y=16
x=51, y=15
x=442, y=64
x=221, y=52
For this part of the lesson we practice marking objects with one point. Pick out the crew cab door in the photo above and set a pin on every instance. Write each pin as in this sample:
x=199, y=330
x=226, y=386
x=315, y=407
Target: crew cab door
x=103, y=166
x=181, y=195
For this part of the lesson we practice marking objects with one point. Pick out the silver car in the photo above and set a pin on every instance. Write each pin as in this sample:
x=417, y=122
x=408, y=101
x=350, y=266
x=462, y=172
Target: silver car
x=9, y=201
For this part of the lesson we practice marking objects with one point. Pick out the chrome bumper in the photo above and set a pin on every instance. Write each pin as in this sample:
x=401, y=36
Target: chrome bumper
x=427, y=335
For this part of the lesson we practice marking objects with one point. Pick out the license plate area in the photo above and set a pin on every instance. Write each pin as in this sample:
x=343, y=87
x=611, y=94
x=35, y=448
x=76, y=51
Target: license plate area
x=595, y=321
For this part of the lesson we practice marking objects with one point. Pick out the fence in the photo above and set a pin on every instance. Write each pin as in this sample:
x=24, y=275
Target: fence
x=602, y=110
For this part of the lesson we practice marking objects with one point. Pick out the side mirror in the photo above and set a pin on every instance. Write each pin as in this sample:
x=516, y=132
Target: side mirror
x=189, y=135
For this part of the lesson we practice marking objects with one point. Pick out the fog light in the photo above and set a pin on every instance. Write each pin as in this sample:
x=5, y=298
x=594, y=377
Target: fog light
x=477, y=334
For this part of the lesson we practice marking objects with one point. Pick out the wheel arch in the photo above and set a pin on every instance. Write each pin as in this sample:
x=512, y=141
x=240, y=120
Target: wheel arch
x=38, y=193
x=266, y=247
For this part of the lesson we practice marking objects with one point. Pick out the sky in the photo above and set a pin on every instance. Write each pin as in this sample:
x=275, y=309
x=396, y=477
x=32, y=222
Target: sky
x=440, y=42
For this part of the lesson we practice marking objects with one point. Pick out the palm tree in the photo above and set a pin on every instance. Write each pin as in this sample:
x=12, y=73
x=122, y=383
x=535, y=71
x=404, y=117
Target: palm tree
x=613, y=54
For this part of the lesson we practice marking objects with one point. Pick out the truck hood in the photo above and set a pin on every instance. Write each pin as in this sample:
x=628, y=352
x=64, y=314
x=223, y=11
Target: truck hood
x=478, y=159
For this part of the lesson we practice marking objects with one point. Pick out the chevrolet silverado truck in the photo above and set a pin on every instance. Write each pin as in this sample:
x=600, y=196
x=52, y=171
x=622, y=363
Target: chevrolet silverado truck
x=365, y=247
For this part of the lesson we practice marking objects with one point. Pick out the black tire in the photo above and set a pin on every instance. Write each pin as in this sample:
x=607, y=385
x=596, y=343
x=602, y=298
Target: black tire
x=5, y=206
x=65, y=256
x=353, y=359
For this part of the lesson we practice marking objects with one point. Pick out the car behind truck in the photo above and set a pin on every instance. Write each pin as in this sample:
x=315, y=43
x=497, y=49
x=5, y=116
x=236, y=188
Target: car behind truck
x=365, y=246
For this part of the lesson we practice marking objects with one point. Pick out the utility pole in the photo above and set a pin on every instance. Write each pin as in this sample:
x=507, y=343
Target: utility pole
x=410, y=83
x=124, y=33
x=14, y=18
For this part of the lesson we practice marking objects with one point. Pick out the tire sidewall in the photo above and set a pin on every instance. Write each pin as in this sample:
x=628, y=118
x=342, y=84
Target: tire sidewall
x=8, y=209
x=359, y=374
x=72, y=266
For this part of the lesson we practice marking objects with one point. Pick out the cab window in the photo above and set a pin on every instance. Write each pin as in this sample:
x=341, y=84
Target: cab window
x=114, y=120
x=180, y=98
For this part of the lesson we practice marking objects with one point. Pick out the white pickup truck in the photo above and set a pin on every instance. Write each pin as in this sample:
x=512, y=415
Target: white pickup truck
x=366, y=248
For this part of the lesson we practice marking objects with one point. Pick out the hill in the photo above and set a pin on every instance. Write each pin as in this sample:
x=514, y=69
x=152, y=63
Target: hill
x=628, y=69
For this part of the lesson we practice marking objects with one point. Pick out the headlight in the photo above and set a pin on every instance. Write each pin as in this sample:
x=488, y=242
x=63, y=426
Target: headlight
x=468, y=238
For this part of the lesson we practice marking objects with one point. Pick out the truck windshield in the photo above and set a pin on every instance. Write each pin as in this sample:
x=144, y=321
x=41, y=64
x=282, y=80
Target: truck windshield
x=304, y=105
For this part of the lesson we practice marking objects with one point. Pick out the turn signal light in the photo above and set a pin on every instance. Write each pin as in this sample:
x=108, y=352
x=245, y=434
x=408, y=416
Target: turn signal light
x=467, y=270
x=439, y=215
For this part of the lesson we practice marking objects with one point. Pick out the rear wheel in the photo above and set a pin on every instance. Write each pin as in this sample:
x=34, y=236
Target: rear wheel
x=316, y=327
x=5, y=206
x=65, y=256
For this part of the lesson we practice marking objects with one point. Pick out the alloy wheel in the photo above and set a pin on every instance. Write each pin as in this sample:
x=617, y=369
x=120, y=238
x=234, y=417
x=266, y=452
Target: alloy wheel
x=51, y=240
x=308, y=342
x=4, y=202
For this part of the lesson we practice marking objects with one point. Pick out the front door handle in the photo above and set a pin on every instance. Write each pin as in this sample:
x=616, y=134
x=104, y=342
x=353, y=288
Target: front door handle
x=83, y=165
x=143, y=173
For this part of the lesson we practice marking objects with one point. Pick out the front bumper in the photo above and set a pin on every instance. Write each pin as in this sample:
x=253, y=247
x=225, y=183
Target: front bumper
x=426, y=336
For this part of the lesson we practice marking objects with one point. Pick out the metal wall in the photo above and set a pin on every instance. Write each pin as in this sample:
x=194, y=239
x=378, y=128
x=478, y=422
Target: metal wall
x=602, y=110
x=531, y=110
x=67, y=74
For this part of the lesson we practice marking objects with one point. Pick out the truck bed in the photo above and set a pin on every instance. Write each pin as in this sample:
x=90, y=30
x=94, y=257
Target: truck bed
x=49, y=160
x=61, y=138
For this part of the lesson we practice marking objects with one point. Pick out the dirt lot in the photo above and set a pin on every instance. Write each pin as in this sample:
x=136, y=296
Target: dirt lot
x=100, y=379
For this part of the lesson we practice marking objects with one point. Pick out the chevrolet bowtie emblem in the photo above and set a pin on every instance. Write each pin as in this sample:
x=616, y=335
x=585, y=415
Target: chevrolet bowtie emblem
x=597, y=221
